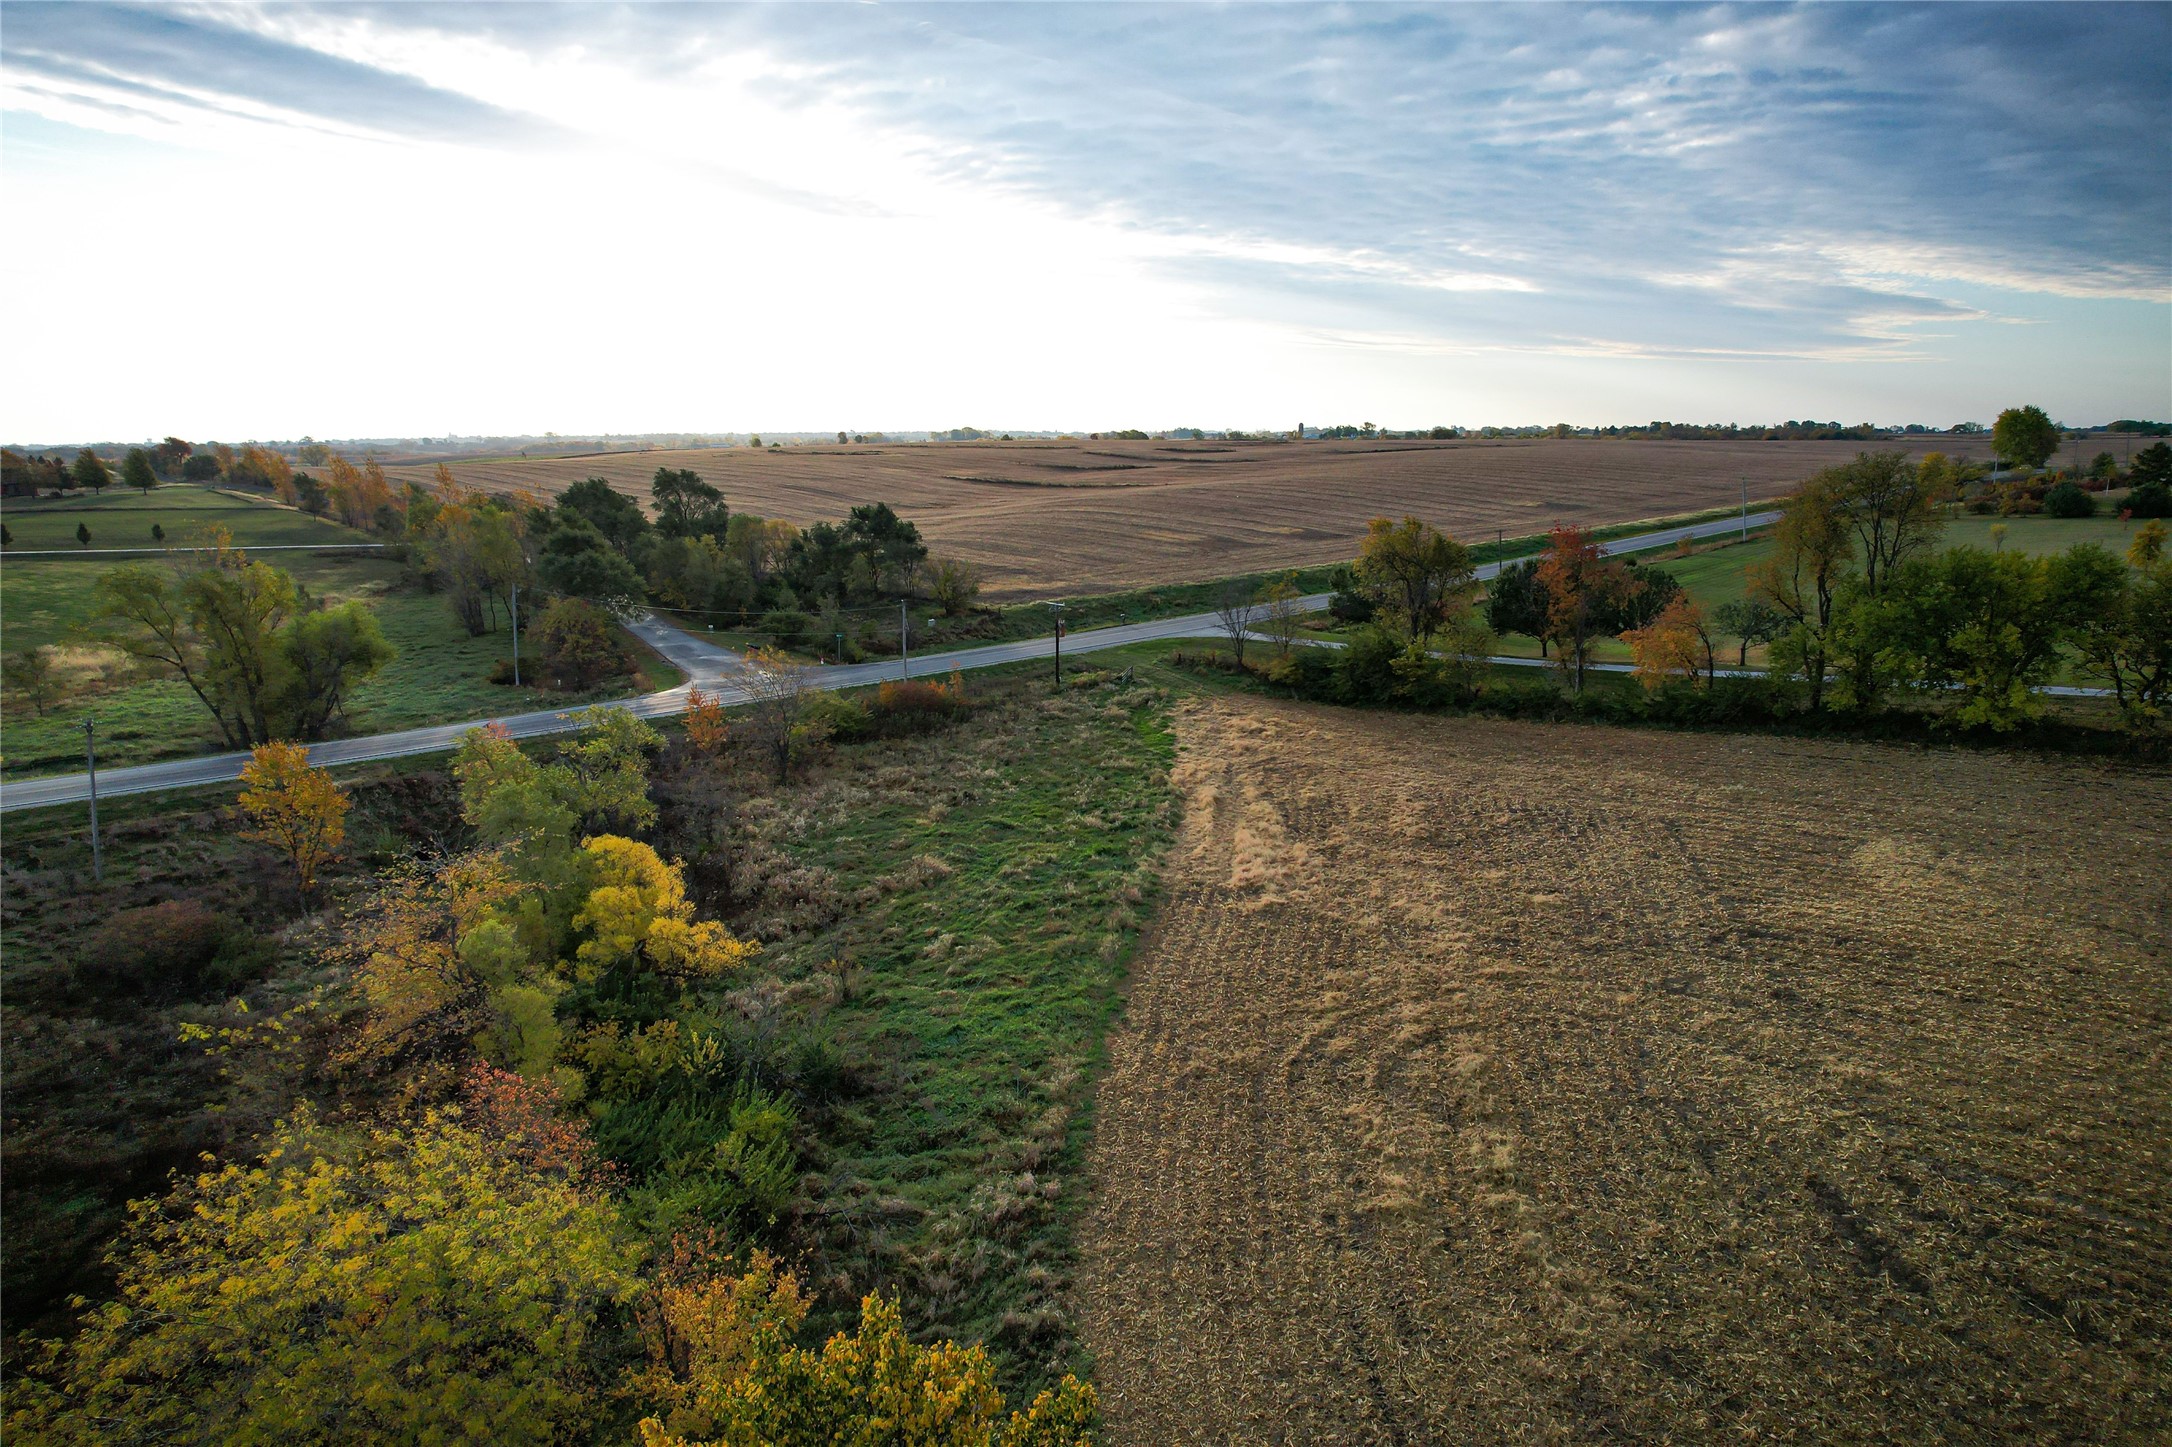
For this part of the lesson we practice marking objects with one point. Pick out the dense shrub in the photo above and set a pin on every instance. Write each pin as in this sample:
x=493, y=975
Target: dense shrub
x=2150, y=500
x=531, y=670
x=788, y=626
x=834, y=716
x=579, y=650
x=913, y=705
x=160, y=949
x=2068, y=501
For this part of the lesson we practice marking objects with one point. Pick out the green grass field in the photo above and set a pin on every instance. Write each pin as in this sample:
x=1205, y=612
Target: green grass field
x=120, y=518
x=1001, y=872
x=440, y=674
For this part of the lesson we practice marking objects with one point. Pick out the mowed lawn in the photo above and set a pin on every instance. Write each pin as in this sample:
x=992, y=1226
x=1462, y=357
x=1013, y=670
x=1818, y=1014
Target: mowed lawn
x=440, y=673
x=123, y=518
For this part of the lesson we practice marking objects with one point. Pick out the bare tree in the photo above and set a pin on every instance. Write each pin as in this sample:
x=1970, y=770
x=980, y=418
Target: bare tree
x=1279, y=612
x=1233, y=609
x=776, y=688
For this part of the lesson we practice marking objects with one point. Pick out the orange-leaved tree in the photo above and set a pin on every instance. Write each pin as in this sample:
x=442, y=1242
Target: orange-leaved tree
x=1583, y=589
x=294, y=807
x=1672, y=645
x=706, y=727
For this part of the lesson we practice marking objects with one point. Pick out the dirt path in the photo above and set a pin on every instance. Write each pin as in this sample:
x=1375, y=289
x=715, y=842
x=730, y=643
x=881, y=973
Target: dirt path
x=1495, y=1082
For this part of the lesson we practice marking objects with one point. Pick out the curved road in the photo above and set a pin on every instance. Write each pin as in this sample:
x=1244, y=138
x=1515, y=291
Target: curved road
x=712, y=669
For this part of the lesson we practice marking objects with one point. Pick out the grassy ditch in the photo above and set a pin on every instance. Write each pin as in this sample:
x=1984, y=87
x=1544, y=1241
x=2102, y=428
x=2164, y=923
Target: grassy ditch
x=953, y=915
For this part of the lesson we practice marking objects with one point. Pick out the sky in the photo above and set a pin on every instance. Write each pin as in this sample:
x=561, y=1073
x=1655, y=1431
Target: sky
x=409, y=220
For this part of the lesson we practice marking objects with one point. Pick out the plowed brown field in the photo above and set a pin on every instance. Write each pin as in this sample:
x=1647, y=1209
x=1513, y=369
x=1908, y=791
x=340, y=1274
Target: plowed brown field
x=1049, y=518
x=1501, y=1082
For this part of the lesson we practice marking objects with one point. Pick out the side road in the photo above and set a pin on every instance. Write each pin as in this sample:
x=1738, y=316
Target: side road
x=715, y=671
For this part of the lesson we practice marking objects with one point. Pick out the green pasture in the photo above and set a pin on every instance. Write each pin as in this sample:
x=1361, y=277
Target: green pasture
x=122, y=518
x=440, y=674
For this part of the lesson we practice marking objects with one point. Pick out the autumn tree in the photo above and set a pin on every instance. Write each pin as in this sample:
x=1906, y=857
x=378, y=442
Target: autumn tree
x=637, y=916
x=707, y=728
x=170, y=458
x=293, y=807
x=578, y=647
x=1420, y=579
x=424, y=952
x=261, y=467
x=761, y=546
x=954, y=584
x=475, y=548
x=725, y=1372
x=358, y=496
x=1583, y=588
x=2148, y=544
x=412, y=1284
x=89, y=471
x=1813, y=549
x=136, y=470
x=2025, y=436
x=597, y=781
x=1672, y=646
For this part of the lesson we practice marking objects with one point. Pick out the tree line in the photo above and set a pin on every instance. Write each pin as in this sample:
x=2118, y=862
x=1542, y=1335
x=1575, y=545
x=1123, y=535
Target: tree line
x=1855, y=604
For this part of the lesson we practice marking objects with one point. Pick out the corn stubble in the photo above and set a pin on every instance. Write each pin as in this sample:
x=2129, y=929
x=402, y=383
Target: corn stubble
x=1488, y=1081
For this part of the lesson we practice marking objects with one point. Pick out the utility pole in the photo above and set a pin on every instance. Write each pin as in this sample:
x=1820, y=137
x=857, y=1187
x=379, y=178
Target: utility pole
x=1745, y=509
x=90, y=750
x=1058, y=607
x=516, y=635
x=904, y=639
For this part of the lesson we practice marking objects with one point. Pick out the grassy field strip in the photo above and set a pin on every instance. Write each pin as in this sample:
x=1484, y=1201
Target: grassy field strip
x=13, y=553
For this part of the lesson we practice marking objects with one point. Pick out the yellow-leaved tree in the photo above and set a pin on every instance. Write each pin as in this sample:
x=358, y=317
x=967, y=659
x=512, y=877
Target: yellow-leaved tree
x=293, y=807
x=637, y=911
x=724, y=1372
x=413, y=1285
x=425, y=951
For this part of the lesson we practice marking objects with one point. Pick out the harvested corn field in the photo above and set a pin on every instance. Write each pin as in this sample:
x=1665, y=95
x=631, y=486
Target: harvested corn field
x=1060, y=517
x=1502, y=1082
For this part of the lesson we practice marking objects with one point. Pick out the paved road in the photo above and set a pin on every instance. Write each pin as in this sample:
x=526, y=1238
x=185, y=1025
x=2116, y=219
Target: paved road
x=714, y=670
